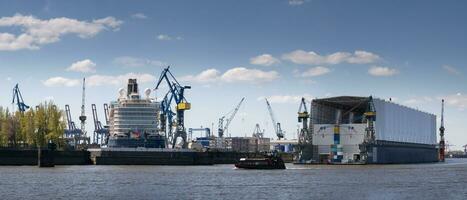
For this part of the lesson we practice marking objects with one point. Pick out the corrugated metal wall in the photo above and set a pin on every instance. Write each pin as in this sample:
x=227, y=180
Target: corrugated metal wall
x=399, y=123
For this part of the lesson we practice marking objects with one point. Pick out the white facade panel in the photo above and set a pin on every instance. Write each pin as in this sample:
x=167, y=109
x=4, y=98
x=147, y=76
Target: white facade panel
x=399, y=123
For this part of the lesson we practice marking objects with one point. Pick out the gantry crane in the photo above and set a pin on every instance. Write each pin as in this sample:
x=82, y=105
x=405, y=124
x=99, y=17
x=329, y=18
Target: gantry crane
x=178, y=92
x=100, y=132
x=72, y=133
x=18, y=99
x=277, y=125
x=442, y=145
x=223, y=129
x=106, y=114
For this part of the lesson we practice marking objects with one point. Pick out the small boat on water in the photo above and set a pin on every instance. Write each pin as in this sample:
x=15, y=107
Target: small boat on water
x=270, y=161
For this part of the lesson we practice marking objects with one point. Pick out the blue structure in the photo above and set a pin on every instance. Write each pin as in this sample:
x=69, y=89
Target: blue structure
x=18, y=99
x=178, y=93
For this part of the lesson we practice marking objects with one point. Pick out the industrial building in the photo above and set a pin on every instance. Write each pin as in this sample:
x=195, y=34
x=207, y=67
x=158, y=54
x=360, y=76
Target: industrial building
x=348, y=129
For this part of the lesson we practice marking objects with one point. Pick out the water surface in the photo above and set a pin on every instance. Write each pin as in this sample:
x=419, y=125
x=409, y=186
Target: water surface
x=419, y=181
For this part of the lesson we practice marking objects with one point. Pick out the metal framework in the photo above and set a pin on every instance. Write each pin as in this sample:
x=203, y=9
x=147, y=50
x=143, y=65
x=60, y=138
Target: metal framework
x=224, y=129
x=101, y=133
x=18, y=99
x=277, y=125
x=178, y=93
x=442, y=144
x=72, y=133
x=83, y=117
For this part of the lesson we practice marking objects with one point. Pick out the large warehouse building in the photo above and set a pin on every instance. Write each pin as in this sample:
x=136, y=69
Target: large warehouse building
x=341, y=134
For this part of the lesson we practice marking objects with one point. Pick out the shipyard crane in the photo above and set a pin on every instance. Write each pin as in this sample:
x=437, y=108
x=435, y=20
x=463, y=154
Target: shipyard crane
x=277, y=125
x=106, y=114
x=442, y=146
x=303, y=117
x=18, y=99
x=224, y=128
x=304, y=152
x=100, y=132
x=178, y=93
x=258, y=133
x=166, y=117
x=72, y=132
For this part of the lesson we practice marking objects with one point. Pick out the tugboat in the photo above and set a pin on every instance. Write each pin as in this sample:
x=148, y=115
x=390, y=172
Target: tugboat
x=270, y=161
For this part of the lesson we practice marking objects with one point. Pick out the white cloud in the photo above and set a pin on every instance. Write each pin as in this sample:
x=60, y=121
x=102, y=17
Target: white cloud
x=451, y=70
x=382, y=71
x=206, y=76
x=99, y=80
x=233, y=75
x=84, y=66
x=241, y=74
x=61, y=81
x=139, y=16
x=292, y=99
x=296, y=2
x=458, y=100
x=168, y=37
x=129, y=61
x=36, y=32
x=265, y=60
x=314, y=71
x=313, y=58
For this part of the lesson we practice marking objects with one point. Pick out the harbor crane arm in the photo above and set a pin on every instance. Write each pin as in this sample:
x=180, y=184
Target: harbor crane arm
x=18, y=99
x=277, y=125
x=233, y=114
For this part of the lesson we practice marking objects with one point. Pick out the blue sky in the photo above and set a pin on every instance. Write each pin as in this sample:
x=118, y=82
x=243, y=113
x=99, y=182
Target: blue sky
x=413, y=52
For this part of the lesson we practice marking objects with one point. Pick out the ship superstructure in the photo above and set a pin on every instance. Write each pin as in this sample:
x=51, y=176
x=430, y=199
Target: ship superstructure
x=134, y=120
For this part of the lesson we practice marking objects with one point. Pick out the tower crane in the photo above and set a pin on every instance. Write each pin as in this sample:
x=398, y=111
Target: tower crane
x=18, y=99
x=100, y=132
x=83, y=117
x=442, y=146
x=178, y=93
x=221, y=128
x=277, y=125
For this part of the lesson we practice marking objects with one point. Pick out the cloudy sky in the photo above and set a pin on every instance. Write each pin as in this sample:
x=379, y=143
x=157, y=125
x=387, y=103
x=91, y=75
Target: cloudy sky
x=413, y=52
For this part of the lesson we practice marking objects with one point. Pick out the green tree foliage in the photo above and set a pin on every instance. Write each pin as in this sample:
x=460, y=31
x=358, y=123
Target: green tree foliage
x=33, y=128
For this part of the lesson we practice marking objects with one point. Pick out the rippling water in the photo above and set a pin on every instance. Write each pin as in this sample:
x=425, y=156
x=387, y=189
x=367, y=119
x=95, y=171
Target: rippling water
x=422, y=181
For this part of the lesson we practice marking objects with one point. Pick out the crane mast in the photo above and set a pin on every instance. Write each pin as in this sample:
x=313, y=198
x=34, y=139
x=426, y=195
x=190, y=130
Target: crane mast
x=222, y=129
x=83, y=117
x=277, y=125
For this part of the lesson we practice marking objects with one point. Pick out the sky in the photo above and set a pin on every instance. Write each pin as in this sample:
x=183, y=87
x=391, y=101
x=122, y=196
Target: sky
x=413, y=52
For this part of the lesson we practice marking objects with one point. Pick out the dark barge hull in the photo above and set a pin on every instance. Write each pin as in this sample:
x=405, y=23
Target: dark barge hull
x=387, y=152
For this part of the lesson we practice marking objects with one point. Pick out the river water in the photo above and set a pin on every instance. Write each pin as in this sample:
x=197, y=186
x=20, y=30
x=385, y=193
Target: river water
x=421, y=181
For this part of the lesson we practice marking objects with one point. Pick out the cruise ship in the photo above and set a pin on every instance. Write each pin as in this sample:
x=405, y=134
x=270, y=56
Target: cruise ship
x=134, y=120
